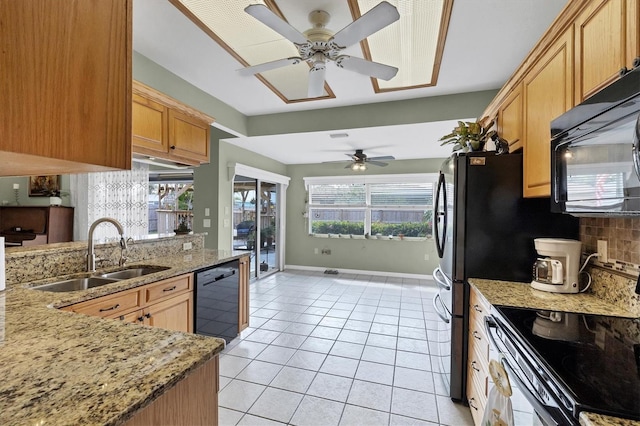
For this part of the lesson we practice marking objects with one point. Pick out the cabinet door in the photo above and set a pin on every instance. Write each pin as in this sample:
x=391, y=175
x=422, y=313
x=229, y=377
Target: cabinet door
x=600, y=46
x=173, y=314
x=548, y=92
x=633, y=31
x=66, y=85
x=243, y=302
x=188, y=137
x=510, y=119
x=149, y=124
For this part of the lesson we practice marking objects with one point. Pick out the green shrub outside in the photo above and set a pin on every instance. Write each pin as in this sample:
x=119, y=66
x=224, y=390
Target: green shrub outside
x=409, y=229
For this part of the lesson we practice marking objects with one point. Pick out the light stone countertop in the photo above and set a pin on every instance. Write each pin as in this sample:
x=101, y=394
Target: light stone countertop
x=521, y=295
x=59, y=367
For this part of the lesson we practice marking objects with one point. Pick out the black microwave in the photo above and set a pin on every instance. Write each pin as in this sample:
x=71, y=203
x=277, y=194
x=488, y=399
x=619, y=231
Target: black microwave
x=595, y=163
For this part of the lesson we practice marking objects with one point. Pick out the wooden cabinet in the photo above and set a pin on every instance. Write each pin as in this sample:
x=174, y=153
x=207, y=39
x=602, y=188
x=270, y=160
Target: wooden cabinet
x=37, y=224
x=510, y=119
x=66, y=86
x=166, y=304
x=478, y=356
x=606, y=40
x=192, y=401
x=167, y=129
x=243, y=302
x=547, y=93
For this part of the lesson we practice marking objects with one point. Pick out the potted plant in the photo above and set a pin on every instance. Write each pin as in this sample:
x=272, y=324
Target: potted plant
x=469, y=135
x=268, y=234
x=183, y=226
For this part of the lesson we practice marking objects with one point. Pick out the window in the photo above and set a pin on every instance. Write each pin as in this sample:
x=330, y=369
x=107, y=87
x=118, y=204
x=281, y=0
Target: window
x=377, y=205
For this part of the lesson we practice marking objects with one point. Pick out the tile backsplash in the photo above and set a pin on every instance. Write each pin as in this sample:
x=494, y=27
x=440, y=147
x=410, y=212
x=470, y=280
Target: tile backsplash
x=622, y=236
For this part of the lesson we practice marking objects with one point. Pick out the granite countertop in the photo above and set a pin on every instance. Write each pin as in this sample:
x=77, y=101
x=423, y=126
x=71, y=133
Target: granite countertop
x=59, y=367
x=522, y=295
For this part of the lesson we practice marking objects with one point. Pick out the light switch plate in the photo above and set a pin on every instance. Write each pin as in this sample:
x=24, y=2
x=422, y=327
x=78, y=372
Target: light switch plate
x=207, y=211
x=187, y=246
x=206, y=223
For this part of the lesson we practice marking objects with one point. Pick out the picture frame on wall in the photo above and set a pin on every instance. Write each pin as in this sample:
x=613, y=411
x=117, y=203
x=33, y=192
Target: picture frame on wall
x=44, y=186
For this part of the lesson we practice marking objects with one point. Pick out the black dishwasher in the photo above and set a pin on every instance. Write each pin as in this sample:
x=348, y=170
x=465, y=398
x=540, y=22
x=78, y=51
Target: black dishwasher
x=217, y=301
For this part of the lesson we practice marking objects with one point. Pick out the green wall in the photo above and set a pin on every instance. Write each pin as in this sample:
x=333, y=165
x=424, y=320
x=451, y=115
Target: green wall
x=370, y=255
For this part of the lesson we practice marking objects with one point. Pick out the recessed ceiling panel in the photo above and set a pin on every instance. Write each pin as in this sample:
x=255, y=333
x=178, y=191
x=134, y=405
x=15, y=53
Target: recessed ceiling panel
x=413, y=44
x=251, y=43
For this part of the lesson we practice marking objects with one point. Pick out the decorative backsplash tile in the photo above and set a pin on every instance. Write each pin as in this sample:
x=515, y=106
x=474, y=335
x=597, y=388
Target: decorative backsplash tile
x=621, y=234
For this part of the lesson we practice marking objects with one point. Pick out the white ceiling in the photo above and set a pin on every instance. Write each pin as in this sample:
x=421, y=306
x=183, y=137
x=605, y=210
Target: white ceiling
x=486, y=41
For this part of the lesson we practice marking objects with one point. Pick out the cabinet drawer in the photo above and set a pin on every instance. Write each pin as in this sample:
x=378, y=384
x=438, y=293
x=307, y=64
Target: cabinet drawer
x=167, y=288
x=477, y=401
x=109, y=306
x=478, y=306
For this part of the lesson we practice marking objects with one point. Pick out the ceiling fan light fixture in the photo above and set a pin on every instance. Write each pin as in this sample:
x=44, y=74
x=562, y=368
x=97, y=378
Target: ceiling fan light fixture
x=358, y=166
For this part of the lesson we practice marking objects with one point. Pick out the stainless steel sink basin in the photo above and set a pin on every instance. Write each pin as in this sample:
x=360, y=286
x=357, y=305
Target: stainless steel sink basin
x=75, y=284
x=132, y=272
x=84, y=283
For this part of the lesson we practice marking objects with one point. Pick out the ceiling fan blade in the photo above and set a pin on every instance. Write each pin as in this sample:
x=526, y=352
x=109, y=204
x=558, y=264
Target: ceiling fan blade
x=267, y=66
x=384, y=157
x=263, y=14
x=374, y=20
x=316, y=80
x=377, y=163
x=362, y=66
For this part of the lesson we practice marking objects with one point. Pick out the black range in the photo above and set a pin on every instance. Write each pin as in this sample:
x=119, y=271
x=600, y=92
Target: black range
x=584, y=362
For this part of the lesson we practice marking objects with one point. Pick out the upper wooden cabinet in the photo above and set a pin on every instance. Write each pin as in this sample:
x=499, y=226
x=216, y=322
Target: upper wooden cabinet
x=582, y=52
x=606, y=40
x=547, y=93
x=168, y=129
x=510, y=119
x=66, y=86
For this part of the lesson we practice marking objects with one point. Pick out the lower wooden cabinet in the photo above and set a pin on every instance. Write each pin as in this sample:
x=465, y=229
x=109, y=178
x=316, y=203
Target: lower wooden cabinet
x=165, y=304
x=243, y=300
x=478, y=357
x=192, y=401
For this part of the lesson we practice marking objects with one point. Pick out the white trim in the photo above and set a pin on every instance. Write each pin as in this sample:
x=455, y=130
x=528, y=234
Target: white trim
x=390, y=178
x=252, y=172
x=362, y=272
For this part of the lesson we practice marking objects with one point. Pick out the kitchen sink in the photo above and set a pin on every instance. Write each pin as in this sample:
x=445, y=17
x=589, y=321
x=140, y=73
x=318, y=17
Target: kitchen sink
x=97, y=280
x=75, y=284
x=132, y=272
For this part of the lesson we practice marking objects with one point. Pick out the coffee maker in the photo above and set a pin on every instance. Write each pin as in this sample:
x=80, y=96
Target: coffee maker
x=558, y=265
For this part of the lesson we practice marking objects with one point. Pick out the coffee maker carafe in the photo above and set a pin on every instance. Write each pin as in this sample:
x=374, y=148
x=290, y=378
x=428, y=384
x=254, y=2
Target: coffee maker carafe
x=558, y=265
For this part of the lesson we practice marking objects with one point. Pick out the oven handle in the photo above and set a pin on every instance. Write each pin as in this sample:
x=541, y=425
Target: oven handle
x=636, y=149
x=435, y=307
x=441, y=279
x=540, y=409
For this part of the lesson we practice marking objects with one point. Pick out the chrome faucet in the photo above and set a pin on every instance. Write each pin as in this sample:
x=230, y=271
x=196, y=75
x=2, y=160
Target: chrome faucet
x=91, y=257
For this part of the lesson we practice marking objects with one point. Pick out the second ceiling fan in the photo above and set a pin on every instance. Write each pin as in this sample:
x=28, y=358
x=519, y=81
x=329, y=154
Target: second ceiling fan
x=319, y=45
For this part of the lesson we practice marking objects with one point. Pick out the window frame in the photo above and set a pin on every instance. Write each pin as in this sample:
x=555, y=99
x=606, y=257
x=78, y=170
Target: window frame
x=367, y=180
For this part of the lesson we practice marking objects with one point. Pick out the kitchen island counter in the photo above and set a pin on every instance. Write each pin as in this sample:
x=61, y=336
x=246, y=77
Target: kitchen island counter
x=60, y=367
x=522, y=295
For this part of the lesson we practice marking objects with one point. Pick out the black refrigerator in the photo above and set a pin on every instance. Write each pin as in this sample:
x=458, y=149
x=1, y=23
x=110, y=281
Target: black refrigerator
x=484, y=229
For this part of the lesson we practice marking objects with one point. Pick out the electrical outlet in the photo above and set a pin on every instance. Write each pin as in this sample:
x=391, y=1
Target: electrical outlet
x=602, y=251
x=206, y=223
x=207, y=211
x=315, y=250
x=187, y=246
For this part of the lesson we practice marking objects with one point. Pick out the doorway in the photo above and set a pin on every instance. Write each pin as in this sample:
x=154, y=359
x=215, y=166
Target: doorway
x=255, y=223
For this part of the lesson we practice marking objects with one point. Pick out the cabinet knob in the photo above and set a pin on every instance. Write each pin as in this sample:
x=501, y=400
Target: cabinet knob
x=148, y=315
x=471, y=400
x=172, y=147
x=636, y=62
x=140, y=319
x=623, y=71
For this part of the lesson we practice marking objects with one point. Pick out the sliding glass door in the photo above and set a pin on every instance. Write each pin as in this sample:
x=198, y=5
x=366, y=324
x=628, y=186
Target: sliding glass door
x=255, y=223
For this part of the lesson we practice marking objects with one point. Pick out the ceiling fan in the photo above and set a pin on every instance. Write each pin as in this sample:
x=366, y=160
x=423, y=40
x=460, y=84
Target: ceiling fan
x=319, y=44
x=359, y=160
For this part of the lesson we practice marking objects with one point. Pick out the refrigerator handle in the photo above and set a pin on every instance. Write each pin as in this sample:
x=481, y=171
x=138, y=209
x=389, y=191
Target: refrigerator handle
x=441, y=216
x=441, y=279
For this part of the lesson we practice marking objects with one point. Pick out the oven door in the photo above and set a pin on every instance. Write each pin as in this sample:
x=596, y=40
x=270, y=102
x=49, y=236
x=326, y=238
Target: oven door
x=532, y=400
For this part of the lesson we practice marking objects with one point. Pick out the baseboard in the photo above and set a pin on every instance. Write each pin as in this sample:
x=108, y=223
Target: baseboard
x=360, y=272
